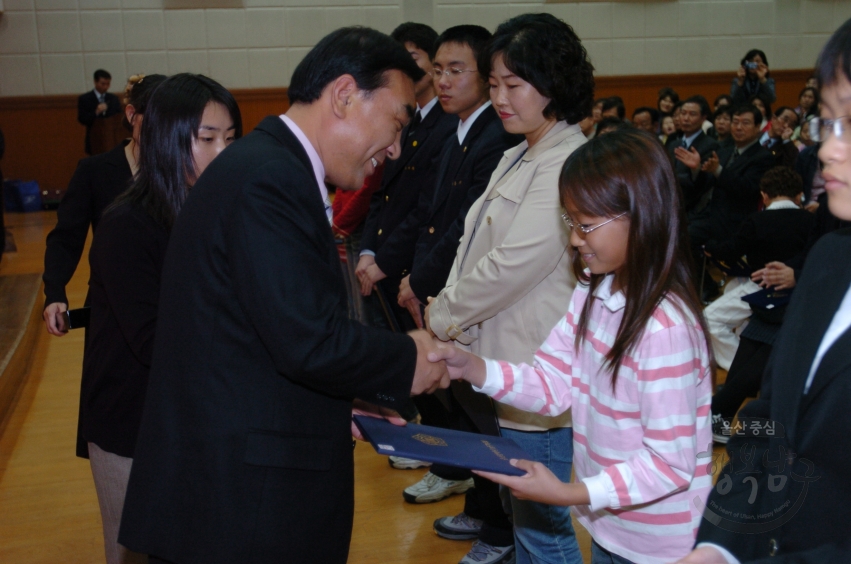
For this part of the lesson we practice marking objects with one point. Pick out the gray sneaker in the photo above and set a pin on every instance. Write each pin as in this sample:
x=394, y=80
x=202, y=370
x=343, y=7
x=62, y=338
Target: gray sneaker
x=483, y=553
x=459, y=527
x=434, y=488
x=402, y=463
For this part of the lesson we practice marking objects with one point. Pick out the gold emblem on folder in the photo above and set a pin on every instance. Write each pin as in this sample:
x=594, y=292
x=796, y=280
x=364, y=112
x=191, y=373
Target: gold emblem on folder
x=429, y=440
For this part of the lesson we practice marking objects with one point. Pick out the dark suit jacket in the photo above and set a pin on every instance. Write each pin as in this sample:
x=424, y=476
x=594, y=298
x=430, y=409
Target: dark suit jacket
x=693, y=187
x=392, y=225
x=245, y=452
x=802, y=512
x=96, y=183
x=126, y=261
x=806, y=165
x=87, y=106
x=769, y=235
x=785, y=154
x=465, y=170
x=735, y=193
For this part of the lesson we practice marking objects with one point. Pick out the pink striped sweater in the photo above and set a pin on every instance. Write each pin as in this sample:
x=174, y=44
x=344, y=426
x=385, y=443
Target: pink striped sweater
x=636, y=447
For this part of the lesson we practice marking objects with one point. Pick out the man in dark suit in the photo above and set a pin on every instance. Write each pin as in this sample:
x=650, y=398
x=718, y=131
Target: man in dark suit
x=734, y=175
x=785, y=494
x=778, y=137
x=97, y=104
x=390, y=233
x=244, y=452
x=691, y=150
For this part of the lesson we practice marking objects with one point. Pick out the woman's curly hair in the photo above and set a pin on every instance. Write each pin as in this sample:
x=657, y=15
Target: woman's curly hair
x=545, y=52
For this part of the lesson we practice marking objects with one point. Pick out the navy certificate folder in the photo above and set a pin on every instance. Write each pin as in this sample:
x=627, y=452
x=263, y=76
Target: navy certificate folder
x=432, y=444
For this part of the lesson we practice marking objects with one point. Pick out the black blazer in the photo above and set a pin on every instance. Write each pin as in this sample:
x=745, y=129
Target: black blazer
x=392, y=225
x=465, y=171
x=801, y=514
x=245, y=451
x=735, y=193
x=126, y=264
x=785, y=154
x=806, y=165
x=96, y=183
x=87, y=105
x=769, y=235
x=693, y=187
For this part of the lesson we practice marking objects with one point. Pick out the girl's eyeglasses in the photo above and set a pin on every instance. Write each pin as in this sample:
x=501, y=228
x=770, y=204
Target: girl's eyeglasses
x=585, y=229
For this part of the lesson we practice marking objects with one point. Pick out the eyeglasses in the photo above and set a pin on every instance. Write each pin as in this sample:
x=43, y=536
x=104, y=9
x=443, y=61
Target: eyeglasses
x=584, y=229
x=839, y=127
x=451, y=72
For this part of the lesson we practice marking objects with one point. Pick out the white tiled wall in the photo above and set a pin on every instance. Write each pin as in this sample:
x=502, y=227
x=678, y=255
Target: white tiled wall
x=54, y=46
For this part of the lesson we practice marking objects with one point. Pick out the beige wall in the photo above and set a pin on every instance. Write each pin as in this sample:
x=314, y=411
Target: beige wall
x=54, y=46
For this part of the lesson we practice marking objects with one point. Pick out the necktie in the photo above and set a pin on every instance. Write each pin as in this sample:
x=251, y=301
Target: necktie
x=328, y=211
x=767, y=143
x=685, y=145
x=733, y=157
x=418, y=118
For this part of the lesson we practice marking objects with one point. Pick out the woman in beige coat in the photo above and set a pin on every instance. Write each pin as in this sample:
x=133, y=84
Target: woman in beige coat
x=511, y=281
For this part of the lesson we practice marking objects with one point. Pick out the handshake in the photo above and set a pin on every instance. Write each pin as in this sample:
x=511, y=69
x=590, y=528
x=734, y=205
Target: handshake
x=439, y=362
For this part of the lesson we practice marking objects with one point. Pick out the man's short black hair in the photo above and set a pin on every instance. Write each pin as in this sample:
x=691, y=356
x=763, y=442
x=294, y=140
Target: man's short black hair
x=835, y=57
x=779, y=112
x=749, y=109
x=654, y=113
x=615, y=102
x=701, y=103
x=421, y=35
x=677, y=106
x=611, y=123
x=723, y=97
x=364, y=53
x=100, y=73
x=474, y=36
x=545, y=52
x=759, y=96
x=781, y=181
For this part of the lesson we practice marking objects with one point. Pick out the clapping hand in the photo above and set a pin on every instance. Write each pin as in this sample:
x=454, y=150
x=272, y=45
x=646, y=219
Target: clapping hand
x=711, y=163
x=689, y=157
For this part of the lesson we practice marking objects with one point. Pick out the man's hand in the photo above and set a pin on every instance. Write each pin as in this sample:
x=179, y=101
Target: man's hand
x=49, y=315
x=360, y=407
x=711, y=163
x=690, y=157
x=740, y=75
x=413, y=306
x=426, y=317
x=101, y=109
x=430, y=374
x=405, y=291
x=540, y=484
x=364, y=262
x=703, y=555
x=461, y=364
x=776, y=275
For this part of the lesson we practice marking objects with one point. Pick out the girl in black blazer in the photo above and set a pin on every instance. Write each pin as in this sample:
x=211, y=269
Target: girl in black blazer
x=190, y=119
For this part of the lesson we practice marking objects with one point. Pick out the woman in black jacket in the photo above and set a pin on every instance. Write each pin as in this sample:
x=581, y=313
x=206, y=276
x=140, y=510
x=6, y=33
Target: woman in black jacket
x=190, y=119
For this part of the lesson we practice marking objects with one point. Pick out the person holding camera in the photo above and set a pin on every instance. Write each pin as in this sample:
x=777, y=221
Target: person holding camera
x=753, y=78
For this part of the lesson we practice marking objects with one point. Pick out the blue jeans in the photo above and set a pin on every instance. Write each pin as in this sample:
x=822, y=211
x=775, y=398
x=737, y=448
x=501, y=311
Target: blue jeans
x=543, y=533
x=600, y=555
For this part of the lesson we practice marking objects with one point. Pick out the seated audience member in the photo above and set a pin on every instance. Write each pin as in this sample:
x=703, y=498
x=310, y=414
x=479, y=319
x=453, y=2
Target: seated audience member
x=647, y=119
x=189, y=120
x=97, y=181
x=721, y=130
x=629, y=358
x=609, y=124
x=722, y=100
x=392, y=225
x=467, y=161
x=812, y=82
x=707, y=124
x=764, y=106
x=613, y=107
x=734, y=176
x=776, y=234
x=667, y=129
x=666, y=101
x=753, y=78
x=778, y=137
x=513, y=255
x=675, y=113
x=808, y=102
x=689, y=152
x=97, y=104
x=808, y=166
x=784, y=493
x=596, y=115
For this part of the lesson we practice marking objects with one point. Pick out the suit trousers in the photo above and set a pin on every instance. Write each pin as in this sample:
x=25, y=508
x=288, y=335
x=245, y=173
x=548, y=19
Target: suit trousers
x=110, y=473
x=744, y=378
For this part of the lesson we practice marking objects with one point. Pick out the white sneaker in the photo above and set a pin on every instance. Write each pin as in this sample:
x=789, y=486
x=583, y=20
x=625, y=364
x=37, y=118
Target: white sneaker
x=402, y=463
x=434, y=488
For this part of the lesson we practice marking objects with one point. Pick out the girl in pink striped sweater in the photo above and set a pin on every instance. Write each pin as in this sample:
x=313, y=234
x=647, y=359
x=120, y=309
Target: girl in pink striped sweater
x=630, y=359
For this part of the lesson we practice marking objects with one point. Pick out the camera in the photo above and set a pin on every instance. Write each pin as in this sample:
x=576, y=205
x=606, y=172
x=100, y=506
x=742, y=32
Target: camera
x=751, y=65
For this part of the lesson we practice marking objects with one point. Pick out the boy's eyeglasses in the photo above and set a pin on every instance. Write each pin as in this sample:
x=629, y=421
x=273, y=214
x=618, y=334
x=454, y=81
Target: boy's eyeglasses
x=450, y=73
x=585, y=229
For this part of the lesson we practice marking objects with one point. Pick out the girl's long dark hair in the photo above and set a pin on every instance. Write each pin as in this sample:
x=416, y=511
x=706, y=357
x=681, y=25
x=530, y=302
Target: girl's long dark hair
x=166, y=166
x=628, y=171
